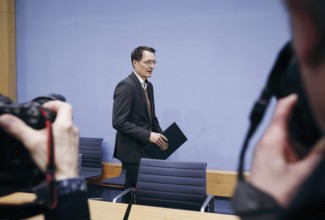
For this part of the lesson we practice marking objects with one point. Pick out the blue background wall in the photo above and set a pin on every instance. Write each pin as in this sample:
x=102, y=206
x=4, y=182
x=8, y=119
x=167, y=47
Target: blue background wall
x=214, y=57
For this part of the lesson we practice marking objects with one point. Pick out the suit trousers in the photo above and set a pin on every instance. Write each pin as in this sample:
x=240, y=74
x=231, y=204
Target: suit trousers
x=131, y=177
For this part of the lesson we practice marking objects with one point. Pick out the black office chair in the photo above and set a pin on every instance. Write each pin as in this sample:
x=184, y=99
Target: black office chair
x=172, y=184
x=90, y=157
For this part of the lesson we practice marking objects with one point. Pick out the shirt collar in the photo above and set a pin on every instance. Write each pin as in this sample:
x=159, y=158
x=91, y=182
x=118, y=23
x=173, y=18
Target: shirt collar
x=143, y=82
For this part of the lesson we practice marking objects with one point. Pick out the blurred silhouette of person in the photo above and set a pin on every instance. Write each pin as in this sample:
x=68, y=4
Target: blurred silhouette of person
x=281, y=184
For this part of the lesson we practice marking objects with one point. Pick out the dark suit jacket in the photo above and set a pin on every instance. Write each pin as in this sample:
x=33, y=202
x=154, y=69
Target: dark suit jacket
x=131, y=120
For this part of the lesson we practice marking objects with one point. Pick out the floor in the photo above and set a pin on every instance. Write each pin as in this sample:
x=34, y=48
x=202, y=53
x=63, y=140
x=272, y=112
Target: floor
x=222, y=205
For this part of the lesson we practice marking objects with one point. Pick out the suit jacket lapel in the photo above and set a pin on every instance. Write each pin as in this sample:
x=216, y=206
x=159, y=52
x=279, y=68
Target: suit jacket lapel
x=141, y=92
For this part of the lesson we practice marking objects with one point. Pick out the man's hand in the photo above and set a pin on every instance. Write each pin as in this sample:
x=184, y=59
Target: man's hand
x=276, y=168
x=65, y=134
x=159, y=139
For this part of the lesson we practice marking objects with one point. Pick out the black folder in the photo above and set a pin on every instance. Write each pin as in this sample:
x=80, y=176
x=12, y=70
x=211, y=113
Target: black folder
x=175, y=139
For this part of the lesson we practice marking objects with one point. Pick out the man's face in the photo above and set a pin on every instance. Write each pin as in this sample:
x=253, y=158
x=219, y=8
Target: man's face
x=306, y=37
x=145, y=66
x=314, y=82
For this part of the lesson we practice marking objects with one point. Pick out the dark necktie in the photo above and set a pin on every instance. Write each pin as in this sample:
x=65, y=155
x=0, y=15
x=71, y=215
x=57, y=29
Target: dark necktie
x=144, y=85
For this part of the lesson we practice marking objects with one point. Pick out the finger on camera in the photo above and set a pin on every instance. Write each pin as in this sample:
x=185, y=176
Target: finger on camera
x=64, y=111
x=16, y=127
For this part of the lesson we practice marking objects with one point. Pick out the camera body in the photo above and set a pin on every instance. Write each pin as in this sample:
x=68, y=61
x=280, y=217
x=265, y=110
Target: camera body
x=17, y=168
x=302, y=126
x=285, y=79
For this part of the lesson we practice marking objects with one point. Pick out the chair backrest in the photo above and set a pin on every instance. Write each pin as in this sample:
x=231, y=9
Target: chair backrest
x=172, y=184
x=90, y=150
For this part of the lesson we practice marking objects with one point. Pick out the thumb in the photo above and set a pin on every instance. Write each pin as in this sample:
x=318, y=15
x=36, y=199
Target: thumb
x=283, y=110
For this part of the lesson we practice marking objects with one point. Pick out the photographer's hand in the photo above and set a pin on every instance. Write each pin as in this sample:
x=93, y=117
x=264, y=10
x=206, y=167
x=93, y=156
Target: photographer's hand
x=276, y=169
x=65, y=134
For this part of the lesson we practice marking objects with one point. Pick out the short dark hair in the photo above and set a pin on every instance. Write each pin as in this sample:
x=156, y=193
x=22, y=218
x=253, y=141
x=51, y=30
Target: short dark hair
x=138, y=52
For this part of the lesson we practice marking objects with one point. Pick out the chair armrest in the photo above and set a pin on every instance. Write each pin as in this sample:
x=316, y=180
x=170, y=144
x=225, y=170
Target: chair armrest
x=207, y=200
x=131, y=189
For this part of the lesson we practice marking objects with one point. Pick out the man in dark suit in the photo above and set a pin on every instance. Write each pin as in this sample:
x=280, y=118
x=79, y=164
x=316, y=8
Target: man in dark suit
x=134, y=115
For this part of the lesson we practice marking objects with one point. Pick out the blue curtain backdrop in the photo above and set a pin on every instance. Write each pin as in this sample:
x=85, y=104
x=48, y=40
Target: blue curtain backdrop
x=214, y=57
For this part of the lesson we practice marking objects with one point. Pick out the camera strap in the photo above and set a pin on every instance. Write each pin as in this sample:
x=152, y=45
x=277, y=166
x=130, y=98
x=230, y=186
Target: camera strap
x=50, y=168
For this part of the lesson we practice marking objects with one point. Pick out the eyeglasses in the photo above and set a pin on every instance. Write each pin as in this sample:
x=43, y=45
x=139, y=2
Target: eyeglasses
x=150, y=62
